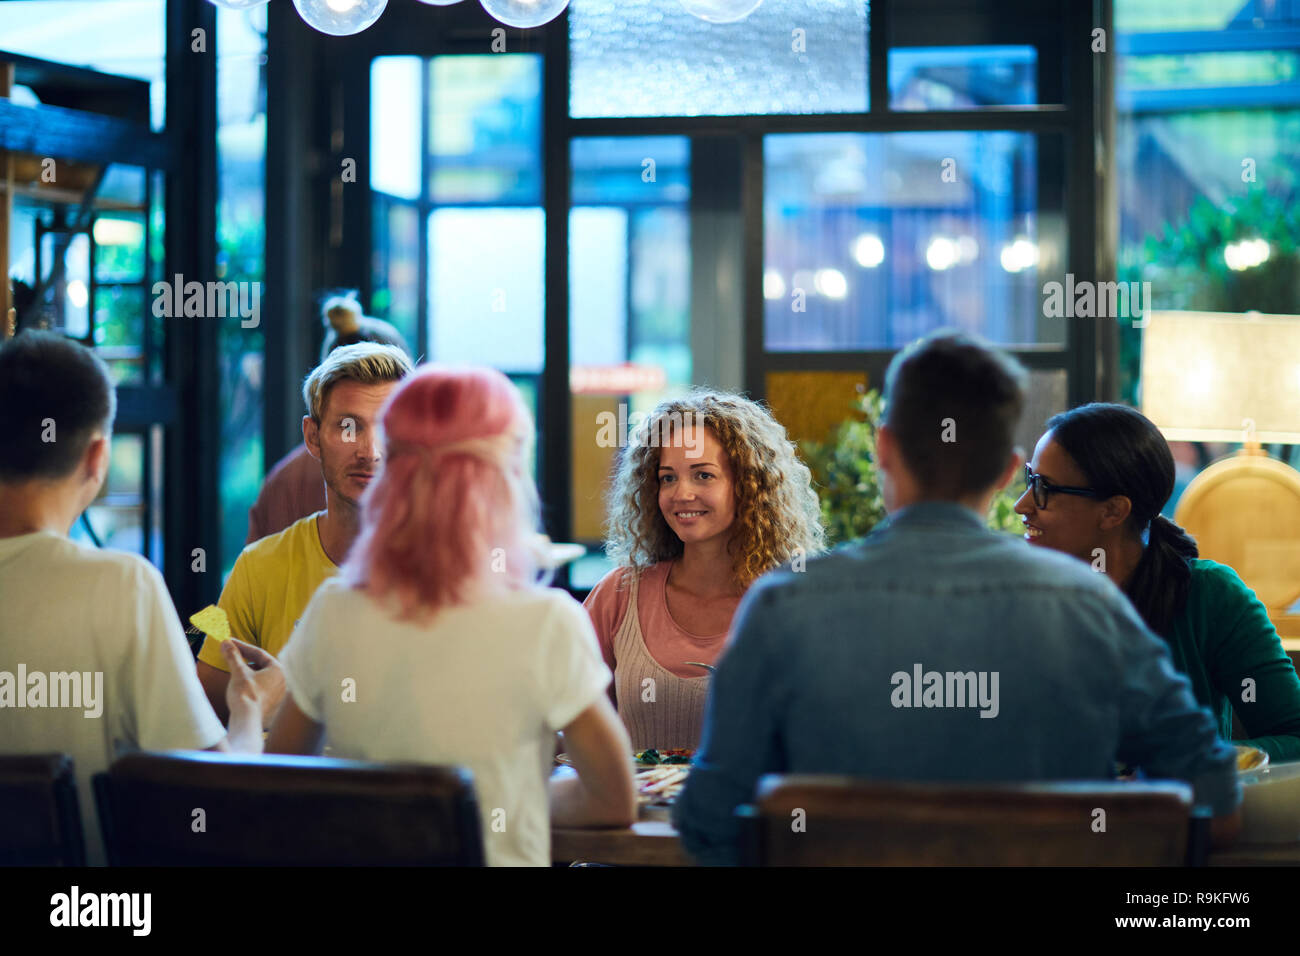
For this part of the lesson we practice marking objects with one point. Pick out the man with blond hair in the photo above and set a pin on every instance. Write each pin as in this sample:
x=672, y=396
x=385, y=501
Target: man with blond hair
x=274, y=578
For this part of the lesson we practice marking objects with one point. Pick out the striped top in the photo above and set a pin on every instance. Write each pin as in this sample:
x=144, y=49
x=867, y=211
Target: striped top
x=659, y=698
x=658, y=708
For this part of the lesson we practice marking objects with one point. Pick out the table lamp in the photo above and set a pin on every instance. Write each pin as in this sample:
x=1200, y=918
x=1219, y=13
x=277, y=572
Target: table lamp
x=1215, y=376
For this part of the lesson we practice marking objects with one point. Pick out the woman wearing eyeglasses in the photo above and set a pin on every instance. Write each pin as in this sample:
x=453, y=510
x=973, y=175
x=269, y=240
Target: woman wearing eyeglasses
x=1096, y=484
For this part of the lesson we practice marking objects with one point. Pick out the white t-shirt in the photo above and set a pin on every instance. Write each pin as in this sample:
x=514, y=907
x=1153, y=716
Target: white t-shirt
x=485, y=686
x=68, y=608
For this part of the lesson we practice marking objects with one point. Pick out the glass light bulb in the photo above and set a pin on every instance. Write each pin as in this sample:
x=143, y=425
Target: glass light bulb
x=525, y=13
x=340, y=17
x=238, y=4
x=721, y=11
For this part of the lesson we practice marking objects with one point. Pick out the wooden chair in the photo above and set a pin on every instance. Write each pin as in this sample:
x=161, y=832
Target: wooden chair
x=40, y=817
x=213, y=809
x=844, y=821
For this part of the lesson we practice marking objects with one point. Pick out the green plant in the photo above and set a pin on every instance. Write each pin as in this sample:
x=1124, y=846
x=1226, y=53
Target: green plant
x=848, y=484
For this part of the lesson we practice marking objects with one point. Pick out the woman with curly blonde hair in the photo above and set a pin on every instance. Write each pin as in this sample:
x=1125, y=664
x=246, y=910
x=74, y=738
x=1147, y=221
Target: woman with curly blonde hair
x=708, y=495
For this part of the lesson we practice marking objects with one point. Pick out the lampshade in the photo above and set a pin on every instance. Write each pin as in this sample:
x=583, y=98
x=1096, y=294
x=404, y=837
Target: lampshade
x=1219, y=376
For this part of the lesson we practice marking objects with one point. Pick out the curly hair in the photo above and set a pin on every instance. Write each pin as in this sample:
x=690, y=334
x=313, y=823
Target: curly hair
x=777, y=512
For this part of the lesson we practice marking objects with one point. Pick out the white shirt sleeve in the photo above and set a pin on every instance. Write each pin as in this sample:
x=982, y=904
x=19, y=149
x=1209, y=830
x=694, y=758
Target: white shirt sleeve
x=300, y=656
x=576, y=675
x=165, y=701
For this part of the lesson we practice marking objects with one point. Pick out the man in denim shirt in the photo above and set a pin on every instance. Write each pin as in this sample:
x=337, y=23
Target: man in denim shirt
x=937, y=649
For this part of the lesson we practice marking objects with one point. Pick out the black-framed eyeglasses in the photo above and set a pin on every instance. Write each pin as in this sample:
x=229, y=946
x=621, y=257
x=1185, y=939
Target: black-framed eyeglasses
x=1044, y=489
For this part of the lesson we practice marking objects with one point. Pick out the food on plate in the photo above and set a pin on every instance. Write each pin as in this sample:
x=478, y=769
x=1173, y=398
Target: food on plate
x=213, y=622
x=1250, y=758
x=660, y=785
x=678, y=756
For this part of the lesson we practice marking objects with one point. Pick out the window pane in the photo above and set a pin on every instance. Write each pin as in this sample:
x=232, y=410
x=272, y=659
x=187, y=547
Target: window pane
x=1159, y=16
x=485, y=129
x=117, y=515
x=872, y=240
x=396, y=260
x=119, y=330
x=395, y=83
x=1207, y=158
x=67, y=298
x=485, y=287
x=124, y=38
x=119, y=248
x=241, y=225
x=962, y=77
x=629, y=306
x=653, y=58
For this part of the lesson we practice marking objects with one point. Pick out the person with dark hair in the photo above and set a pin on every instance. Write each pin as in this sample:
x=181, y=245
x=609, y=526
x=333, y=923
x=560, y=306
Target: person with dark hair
x=1098, y=480
x=937, y=649
x=293, y=488
x=107, y=665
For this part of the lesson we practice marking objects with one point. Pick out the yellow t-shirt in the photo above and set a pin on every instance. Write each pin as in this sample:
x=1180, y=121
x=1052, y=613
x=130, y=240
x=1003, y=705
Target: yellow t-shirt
x=269, y=587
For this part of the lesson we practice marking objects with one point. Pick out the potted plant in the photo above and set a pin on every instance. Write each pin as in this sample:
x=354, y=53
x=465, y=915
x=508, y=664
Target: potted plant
x=848, y=483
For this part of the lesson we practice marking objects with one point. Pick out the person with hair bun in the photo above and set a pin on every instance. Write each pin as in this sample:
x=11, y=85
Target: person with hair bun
x=454, y=653
x=1098, y=480
x=708, y=496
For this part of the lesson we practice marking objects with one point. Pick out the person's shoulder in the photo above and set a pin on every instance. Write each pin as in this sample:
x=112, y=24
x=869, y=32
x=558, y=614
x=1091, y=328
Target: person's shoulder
x=547, y=610
x=276, y=546
x=294, y=465
x=1216, y=592
x=1214, y=579
x=291, y=459
x=80, y=561
x=618, y=581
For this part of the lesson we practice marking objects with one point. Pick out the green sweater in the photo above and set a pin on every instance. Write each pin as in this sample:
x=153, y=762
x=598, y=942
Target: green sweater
x=1224, y=636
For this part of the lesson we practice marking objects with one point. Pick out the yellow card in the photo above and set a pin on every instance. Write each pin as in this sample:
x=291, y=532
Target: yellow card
x=213, y=622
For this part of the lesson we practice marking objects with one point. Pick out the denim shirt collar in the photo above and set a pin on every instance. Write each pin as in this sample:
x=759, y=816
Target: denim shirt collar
x=946, y=514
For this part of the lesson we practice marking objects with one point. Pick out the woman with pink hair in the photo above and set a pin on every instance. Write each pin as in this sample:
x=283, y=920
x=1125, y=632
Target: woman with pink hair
x=436, y=644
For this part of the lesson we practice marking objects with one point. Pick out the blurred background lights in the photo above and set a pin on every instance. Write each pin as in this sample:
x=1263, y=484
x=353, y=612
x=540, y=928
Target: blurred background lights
x=868, y=250
x=1246, y=254
x=1019, y=255
x=773, y=284
x=831, y=283
x=118, y=232
x=78, y=295
x=942, y=253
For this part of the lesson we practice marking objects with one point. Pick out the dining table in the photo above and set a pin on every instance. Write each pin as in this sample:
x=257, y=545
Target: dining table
x=654, y=842
x=648, y=842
